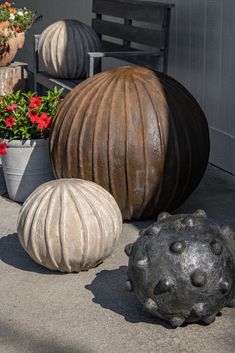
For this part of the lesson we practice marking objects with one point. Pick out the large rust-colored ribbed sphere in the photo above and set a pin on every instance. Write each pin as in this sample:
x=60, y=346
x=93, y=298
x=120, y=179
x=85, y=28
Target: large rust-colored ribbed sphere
x=140, y=135
x=63, y=48
x=69, y=225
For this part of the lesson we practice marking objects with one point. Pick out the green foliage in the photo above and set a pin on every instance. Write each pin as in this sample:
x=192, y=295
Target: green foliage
x=23, y=23
x=26, y=116
x=18, y=19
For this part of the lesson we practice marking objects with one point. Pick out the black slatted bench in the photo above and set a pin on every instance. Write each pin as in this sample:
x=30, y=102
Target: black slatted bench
x=130, y=30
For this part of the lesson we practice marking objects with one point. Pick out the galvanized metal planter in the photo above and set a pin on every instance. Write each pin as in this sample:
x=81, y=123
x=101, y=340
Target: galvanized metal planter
x=26, y=166
x=140, y=135
x=182, y=268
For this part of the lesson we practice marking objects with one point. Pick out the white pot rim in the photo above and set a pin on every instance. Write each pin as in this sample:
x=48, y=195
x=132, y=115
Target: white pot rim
x=24, y=143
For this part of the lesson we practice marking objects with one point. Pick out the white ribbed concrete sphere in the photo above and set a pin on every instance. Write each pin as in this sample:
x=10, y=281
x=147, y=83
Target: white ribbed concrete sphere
x=69, y=225
x=63, y=48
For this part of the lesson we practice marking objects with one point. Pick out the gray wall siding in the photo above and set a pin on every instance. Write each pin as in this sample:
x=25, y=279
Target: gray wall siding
x=202, y=57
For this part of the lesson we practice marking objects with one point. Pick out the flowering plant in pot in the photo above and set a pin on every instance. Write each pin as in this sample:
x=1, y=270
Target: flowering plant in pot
x=8, y=44
x=14, y=22
x=25, y=121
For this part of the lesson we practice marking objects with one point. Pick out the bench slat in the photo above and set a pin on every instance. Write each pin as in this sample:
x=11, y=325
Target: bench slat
x=114, y=47
x=143, y=11
x=151, y=37
x=151, y=62
x=48, y=81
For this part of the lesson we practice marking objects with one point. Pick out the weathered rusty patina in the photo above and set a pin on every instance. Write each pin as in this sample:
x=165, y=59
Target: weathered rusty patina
x=140, y=135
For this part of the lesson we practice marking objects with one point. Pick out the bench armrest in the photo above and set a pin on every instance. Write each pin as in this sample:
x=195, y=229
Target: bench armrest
x=93, y=56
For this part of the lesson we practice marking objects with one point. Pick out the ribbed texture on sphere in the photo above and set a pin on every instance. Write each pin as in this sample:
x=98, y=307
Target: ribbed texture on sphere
x=69, y=225
x=141, y=136
x=63, y=48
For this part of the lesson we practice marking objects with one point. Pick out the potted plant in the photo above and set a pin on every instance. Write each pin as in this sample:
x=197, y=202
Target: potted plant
x=14, y=22
x=8, y=44
x=25, y=121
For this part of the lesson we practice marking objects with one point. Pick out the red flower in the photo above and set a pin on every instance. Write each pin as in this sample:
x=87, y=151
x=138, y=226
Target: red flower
x=35, y=102
x=6, y=5
x=17, y=29
x=11, y=108
x=3, y=148
x=44, y=121
x=10, y=121
x=34, y=118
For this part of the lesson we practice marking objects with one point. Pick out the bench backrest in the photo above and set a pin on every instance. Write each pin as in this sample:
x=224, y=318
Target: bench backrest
x=142, y=22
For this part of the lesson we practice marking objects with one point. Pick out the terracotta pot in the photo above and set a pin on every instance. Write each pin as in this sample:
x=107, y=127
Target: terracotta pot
x=20, y=37
x=8, y=52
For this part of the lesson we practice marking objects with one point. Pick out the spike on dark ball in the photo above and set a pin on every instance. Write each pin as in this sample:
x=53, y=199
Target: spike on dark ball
x=163, y=215
x=177, y=321
x=199, y=309
x=200, y=213
x=163, y=286
x=216, y=247
x=198, y=278
x=129, y=286
x=177, y=247
x=224, y=286
x=188, y=221
x=184, y=271
x=128, y=249
x=141, y=264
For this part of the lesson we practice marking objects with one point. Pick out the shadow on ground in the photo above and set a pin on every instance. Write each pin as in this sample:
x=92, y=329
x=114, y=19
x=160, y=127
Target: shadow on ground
x=109, y=292
x=24, y=341
x=12, y=253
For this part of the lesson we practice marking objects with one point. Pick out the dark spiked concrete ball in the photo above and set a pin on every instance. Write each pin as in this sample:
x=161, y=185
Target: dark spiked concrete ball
x=182, y=268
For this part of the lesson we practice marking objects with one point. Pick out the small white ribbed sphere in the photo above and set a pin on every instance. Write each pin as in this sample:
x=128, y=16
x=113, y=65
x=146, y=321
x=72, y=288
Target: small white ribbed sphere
x=63, y=48
x=69, y=225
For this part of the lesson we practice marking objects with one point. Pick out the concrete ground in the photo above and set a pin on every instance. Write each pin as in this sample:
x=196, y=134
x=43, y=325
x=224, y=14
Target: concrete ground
x=46, y=312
